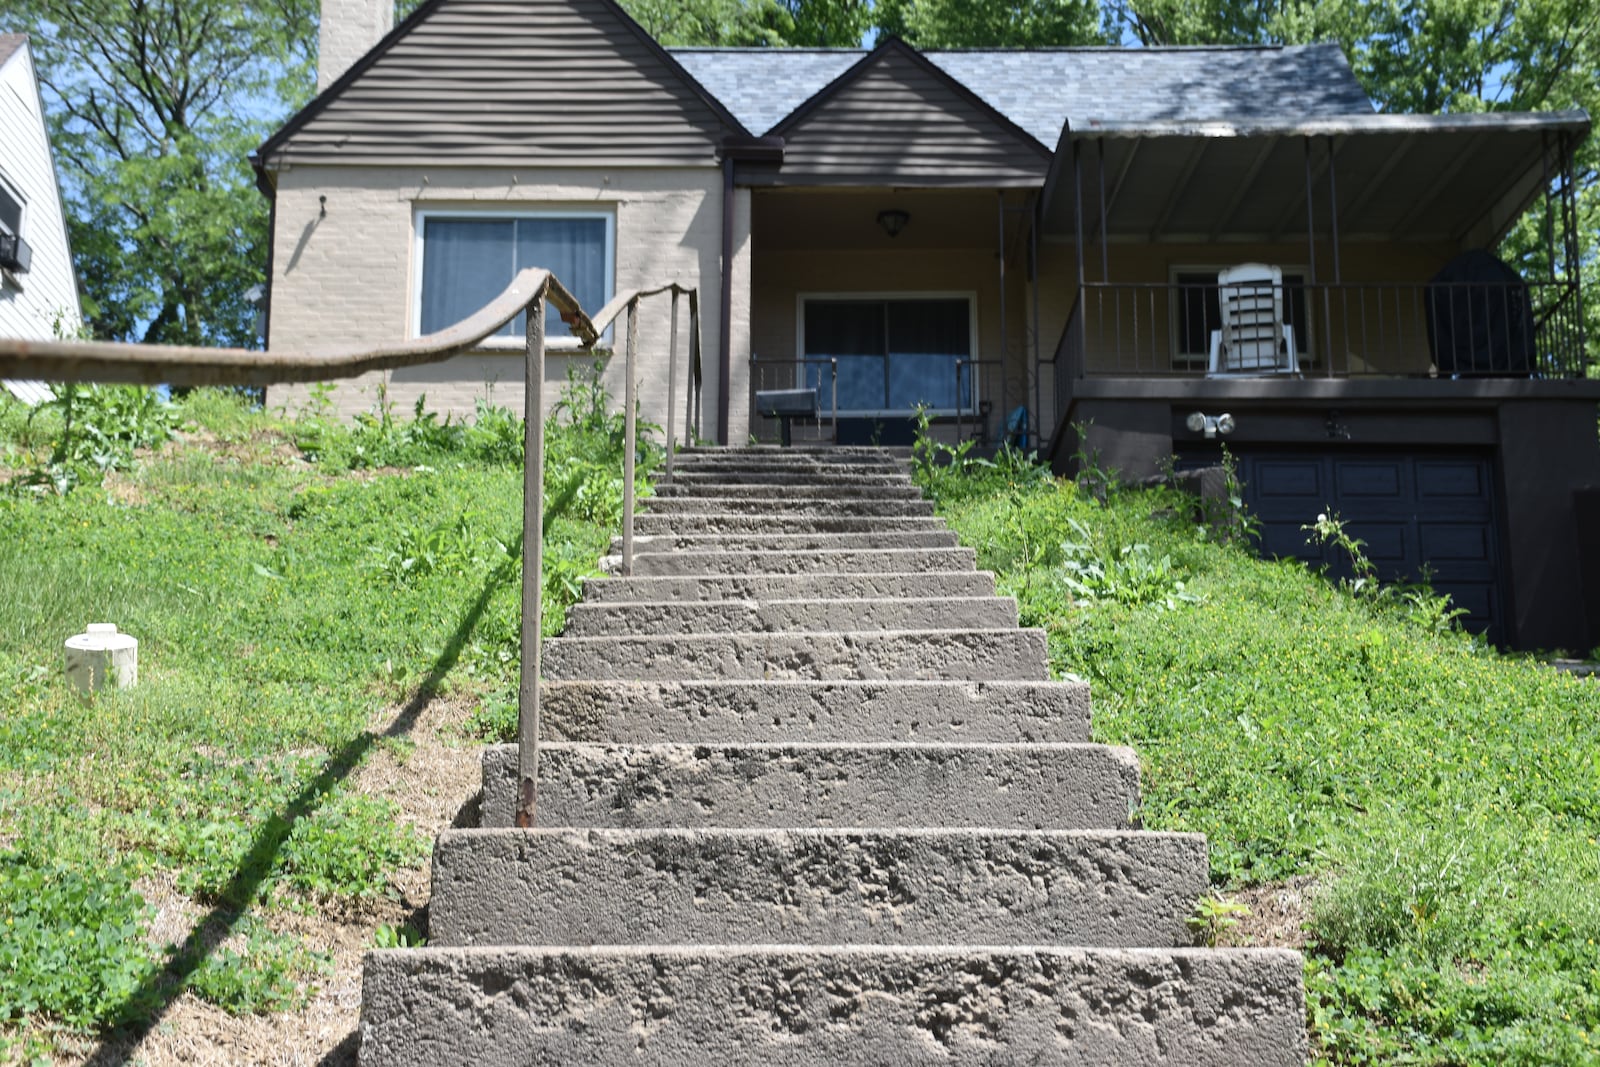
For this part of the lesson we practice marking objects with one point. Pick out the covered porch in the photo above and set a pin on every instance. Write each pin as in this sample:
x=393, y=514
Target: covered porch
x=1363, y=238
x=888, y=301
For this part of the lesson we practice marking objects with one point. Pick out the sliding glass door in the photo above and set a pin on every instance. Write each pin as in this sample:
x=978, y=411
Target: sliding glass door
x=894, y=353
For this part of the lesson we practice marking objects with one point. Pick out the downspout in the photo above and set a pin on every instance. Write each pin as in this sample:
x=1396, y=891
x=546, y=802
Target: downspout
x=725, y=310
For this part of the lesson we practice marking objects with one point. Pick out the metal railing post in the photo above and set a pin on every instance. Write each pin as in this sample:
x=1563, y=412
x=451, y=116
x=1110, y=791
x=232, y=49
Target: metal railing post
x=630, y=437
x=691, y=425
x=672, y=385
x=833, y=369
x=532, y=566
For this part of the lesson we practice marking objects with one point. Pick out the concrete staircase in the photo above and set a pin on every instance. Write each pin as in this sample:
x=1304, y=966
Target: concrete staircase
x=811, y=798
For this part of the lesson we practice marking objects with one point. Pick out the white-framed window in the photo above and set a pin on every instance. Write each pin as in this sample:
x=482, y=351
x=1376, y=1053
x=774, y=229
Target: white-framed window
x=896, y=350
x=13, y=209
x=1196, y=311
x=465, y=256
x=14, y=252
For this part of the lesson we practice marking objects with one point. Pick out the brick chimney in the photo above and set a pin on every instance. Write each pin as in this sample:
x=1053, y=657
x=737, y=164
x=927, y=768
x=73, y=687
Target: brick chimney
x=348, y=29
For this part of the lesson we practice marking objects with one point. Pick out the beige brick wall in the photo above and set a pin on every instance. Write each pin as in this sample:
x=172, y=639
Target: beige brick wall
x=345, y=31
x=344, y=274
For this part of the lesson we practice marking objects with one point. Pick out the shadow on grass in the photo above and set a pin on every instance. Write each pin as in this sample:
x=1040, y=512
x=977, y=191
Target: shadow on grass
x=150, y=1002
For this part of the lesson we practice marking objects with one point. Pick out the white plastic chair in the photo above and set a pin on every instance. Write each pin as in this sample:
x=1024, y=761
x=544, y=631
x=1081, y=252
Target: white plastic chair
x=1254, y=339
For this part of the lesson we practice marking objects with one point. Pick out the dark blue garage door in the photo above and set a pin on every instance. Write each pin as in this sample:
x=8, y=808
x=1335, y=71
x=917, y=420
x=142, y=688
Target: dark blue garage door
x=1411, y=509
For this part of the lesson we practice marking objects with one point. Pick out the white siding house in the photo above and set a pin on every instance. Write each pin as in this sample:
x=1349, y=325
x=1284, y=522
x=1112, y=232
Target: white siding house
x=38, y=290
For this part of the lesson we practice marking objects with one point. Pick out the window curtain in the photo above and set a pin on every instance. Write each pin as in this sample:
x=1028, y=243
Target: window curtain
x=467, y=262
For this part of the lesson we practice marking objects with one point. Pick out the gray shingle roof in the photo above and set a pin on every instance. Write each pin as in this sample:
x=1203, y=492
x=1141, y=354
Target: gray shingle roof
x=762, y=85
x=1040, y=89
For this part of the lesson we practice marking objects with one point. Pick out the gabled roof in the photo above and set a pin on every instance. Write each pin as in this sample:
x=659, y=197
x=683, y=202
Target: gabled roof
x=542, y=82
x=1039, y=89
x=895, y=118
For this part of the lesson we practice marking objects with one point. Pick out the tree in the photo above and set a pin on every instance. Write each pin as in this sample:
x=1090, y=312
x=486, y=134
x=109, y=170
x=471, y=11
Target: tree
x=760, y=23
x=154, y=106
x=991, y=23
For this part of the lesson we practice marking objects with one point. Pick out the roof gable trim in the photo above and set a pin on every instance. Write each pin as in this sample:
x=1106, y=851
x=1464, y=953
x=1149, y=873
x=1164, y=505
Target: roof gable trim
x=301, y=118
x=895, y=46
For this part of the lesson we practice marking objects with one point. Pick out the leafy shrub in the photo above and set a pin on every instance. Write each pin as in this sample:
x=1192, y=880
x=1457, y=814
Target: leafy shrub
x=1132, y=575
x=495, y=436
x=96, y=428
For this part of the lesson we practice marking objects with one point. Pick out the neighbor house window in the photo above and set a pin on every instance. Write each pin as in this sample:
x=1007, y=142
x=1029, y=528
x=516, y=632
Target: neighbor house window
x=14, y=252
x=10, y=210
x=1196, y=311
x=467, y=258
x=895, y=353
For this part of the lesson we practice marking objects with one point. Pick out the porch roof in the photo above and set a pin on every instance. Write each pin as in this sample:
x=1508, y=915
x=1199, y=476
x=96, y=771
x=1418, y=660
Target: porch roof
x=1456, y=179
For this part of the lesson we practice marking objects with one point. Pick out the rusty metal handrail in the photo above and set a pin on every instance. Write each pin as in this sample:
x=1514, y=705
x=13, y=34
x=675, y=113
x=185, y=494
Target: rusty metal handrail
x=102, y=361
x=629, y=300
x=109, y=361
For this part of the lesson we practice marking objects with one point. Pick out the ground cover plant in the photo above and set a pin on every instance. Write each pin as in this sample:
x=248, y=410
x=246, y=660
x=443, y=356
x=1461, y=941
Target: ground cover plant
x=291, y=582
x=1443, y=797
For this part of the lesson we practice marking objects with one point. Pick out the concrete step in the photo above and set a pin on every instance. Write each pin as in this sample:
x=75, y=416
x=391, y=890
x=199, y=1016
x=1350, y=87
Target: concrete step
x=819, y=453
x=707, y=587
x=971, y=655
x=844, y=1006
x=817, y=561
x=793, y=505
x=801, y=542
x=794, y=461
x=728, y=522
x=792, y=487
x=687, y=476
x=770, y=616
x=1105, y=888
x=1010, y=787
x=740, y=712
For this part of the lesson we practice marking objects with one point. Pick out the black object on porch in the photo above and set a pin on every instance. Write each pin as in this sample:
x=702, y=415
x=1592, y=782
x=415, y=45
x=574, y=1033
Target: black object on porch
x=786, y=405
x=1480, y=320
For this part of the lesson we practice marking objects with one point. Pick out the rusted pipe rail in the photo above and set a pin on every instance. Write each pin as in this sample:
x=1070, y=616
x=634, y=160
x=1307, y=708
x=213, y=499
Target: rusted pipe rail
x=100, y=361
x=107, y=361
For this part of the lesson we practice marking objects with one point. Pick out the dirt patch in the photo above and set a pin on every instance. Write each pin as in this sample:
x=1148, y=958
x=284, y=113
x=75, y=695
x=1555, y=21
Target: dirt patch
x=123, y=489
x=258, y=446
x=431, y=772
x=1279, y=914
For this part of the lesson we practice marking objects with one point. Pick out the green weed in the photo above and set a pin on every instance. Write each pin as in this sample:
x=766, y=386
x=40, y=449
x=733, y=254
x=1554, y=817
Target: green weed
x=266, y=972
x=1446, y=797
x=73, y=949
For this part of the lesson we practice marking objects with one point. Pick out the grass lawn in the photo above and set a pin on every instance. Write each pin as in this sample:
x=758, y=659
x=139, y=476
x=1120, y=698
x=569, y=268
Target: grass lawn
x=1442, y=799
x=300, y=591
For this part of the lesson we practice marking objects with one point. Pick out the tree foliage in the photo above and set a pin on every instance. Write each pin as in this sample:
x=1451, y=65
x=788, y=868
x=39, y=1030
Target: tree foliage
x=154, y=106
x=758, y=23
x=991, y=23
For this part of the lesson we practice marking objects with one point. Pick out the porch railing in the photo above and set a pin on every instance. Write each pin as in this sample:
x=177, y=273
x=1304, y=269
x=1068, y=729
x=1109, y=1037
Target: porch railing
x=977, y=382
x=98, y=361
x=1342, y=330
x=808, y=372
